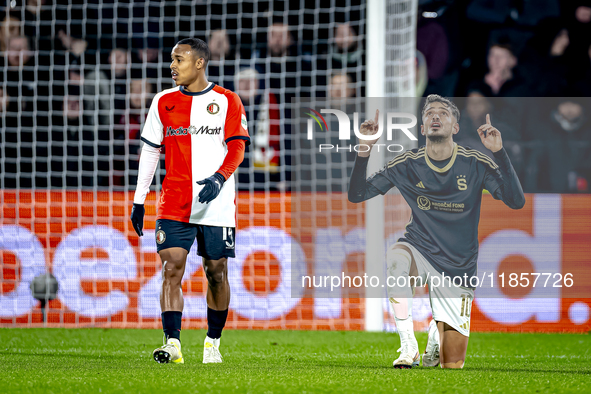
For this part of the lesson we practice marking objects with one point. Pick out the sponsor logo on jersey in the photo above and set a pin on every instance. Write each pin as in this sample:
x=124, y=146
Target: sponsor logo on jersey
x=170, y=132
x=160, y=237
x=425, y=204
x=243, y=122
x=420, y=184
x=169, y=108
x=213, y=108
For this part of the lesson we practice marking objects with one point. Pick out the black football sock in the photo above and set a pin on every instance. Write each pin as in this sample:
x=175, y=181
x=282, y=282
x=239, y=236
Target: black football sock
x=216, y=320
x=171, y=324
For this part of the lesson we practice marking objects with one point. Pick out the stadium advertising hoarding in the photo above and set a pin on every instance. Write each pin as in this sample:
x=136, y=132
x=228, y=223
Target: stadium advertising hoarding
x=109, y=277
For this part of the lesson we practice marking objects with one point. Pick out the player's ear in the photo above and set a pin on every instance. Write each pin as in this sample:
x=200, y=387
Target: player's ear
x=456, y=128
x=199, y=62
x=422, y=130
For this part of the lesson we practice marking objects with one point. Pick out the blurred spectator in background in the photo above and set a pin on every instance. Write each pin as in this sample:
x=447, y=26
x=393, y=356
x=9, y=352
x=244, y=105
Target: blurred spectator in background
x=263, y=157
x=279, y=63
x=97, y=93
x=21, y=74
x=563, y=164
x=501, y=80
x=37, y=23
x=77, y=148
x=282, y=74
x=546, y=60
x=221, y=68
x=347, y=51
x=439, y=40
x=341, y=87
x=474, y=115
x=10, y=26
x=577, y=14
x=278, y=40
x=147, y=58
x=75, y=45
x=129, y=129
x=119, y=59
x=345, y=54
x=101, y=87
x=433, y=43
x=219, y=44
x=509, y=12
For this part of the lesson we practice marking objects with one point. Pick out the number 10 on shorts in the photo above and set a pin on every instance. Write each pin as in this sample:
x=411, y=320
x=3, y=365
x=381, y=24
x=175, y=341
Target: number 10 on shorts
x=466, y=307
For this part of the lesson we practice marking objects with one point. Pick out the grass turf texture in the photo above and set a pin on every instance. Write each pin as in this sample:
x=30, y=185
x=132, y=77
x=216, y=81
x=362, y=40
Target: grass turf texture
x=102, y=360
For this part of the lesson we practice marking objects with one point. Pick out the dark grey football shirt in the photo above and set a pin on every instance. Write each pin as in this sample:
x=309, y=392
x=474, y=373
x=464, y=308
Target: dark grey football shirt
x=445, y=202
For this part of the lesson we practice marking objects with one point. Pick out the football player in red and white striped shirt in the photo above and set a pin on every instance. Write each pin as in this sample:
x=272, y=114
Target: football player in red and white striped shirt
x=203, y=129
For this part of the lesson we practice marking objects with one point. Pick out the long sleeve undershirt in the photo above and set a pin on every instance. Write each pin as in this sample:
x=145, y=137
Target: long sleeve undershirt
x=147, y=167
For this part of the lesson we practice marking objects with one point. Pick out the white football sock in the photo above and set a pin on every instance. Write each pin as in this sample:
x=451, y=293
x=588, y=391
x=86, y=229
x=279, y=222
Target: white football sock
x=399, y=261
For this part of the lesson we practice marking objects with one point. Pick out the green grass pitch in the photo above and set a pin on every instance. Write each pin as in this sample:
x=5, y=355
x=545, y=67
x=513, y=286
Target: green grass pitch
x=114, y=360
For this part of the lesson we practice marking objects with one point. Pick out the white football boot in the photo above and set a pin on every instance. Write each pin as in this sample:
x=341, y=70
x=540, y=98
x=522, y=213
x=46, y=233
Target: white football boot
x=211, y=351
x=409, y=352
x=431, y=356
x=169, y=352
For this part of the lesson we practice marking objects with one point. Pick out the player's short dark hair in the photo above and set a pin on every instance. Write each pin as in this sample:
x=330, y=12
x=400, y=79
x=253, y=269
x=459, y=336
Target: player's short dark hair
x=199, y=47
x=435, y=98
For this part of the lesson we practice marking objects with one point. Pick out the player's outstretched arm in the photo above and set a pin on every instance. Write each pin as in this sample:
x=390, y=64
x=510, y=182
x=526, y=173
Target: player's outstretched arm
x=510, y=190
x=147, y=167
x=360, y=189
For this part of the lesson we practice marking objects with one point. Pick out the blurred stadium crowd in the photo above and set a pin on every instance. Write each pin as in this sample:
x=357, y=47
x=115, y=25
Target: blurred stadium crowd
x=77, y=79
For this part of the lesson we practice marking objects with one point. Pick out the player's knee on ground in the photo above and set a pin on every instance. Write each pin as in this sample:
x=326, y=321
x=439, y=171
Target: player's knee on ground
x=453, y=346
x=457, y=365
x=215, y=270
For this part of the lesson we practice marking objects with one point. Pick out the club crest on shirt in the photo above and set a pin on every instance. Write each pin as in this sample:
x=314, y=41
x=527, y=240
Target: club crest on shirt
x=160, y=237
x=213, y=108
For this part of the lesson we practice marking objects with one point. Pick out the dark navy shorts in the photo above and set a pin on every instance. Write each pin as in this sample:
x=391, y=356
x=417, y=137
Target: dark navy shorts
x=213, y=242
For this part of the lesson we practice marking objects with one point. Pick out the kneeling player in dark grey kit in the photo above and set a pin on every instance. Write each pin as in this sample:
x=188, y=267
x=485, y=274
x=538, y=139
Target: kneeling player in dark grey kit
x=204, y=131
x=443, y=183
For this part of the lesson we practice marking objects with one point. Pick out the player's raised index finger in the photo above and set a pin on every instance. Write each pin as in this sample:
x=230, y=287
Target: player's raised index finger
x=377, y=115
x=488, y=119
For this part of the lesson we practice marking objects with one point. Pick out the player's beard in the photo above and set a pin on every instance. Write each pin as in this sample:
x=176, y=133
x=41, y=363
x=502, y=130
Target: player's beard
x=436, y=139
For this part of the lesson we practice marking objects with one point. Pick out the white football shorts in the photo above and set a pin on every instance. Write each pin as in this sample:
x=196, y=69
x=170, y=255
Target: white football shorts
x=449, y=304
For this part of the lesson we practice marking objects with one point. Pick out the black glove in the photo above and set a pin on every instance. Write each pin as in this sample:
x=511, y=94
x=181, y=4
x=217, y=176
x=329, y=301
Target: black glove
x=137, y=218
x=212, y=187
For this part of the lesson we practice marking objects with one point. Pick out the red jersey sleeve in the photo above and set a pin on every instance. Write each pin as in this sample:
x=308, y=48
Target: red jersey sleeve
x=236, y=126
x=233, y=159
